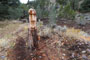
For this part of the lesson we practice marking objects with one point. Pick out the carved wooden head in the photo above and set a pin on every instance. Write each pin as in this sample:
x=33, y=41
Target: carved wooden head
x=32, y=18
x=32, y=12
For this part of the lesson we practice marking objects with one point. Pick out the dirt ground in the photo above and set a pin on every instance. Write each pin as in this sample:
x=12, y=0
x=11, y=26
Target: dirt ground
x=56, y=47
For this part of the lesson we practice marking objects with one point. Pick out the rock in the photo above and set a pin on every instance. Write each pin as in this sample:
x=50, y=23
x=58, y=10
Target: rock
x=64, y=54
x=86, y=34
x=80, y=19
x=15, y=21
x=60, y=28
x=73, y=55
x=83, y=52
x=2, y=57
x=40, y=56
x=88, y=50
x=85, y=57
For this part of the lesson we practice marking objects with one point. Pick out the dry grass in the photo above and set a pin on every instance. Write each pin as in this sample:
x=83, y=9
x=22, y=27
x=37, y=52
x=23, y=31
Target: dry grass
x=70, y=32
x=77, y=33
x=7, y=39
x=8, y=29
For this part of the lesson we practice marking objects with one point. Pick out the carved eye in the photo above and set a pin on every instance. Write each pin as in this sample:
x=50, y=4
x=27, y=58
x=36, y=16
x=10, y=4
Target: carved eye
x=32, y=12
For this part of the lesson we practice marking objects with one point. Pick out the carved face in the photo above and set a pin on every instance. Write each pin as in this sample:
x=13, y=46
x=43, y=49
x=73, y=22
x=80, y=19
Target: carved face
x=32, y=12
x=32, y=18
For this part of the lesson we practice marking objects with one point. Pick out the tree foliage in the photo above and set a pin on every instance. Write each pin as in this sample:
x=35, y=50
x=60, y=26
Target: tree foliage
x=66, y=10
x=15, y=13
x=13, y=9
x=10, y=9
x=85, y=6
x=13, y=3
x=42, y=8
x=52, y=14
x=62, y=2
x=3, y=9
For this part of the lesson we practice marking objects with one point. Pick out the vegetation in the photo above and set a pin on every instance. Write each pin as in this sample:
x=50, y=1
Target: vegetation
x=85, y=6
x=61, y=32
x=13, y=9
x=6, y=5
x=67, y=12
x=52, y=14
x=42, y=8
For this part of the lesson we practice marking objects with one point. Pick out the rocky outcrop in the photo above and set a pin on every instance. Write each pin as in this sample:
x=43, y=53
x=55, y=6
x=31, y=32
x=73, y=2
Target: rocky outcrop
x=83, y=18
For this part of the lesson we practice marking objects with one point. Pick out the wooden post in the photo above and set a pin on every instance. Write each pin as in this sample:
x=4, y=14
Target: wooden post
x=33, y=38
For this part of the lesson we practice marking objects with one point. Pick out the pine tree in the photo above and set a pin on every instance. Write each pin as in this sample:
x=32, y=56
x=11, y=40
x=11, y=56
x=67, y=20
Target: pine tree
x=3, y=8
x=85, y=6
x=5, y=5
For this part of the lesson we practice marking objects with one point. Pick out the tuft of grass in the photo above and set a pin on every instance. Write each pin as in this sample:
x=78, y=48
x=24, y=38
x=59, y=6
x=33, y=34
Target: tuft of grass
x=77, y=33
x=45, y=31
x=4, y=42
x=73, y=32
x=69, y=32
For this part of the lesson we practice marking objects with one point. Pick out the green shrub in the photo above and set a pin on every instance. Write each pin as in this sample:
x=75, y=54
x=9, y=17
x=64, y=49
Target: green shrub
x=15, y=13
x=66, y=12
x=85, y=6
x=3, y=11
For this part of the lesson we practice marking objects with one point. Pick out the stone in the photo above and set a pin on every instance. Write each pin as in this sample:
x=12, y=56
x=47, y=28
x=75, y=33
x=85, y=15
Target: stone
x=85, y=57
x=83, y=52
